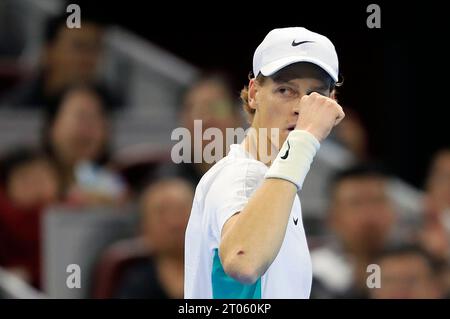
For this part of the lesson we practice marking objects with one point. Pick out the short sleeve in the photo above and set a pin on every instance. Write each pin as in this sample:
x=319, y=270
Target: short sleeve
x=231, y=190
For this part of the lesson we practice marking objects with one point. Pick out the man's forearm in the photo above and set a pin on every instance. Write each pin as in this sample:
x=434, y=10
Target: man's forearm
x=254, y=237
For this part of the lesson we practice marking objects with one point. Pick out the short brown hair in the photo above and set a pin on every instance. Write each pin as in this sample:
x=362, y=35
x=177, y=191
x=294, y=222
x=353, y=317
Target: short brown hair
x=244, y=96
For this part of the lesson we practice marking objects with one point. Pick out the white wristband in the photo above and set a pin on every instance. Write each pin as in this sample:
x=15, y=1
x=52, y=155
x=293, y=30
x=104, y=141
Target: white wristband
x=295, y=157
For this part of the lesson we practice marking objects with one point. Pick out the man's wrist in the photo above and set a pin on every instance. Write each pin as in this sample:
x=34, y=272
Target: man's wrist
x=295, y=157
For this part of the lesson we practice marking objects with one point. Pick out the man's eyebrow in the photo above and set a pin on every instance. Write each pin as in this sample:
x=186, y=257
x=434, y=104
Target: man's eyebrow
x=323, y=87
x=286, y=80
x=281, y=79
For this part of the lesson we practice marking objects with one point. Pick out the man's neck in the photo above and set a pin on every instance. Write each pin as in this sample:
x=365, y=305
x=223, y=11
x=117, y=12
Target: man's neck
x=258, y=144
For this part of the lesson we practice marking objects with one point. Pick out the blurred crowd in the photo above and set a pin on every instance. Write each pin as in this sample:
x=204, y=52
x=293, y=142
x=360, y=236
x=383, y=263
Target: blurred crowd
x=73, y=166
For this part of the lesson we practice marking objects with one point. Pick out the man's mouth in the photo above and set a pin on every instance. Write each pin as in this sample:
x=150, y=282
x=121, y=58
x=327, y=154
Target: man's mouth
x=291, y=127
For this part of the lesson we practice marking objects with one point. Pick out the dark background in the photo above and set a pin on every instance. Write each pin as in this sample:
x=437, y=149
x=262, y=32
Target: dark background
x=395, y=77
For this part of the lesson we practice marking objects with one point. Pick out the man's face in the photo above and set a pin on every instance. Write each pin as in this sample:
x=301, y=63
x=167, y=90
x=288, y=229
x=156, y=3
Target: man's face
x=33, y=184
x=166, y=212
x=80, y=130
x=75, y=53
x=361, y=213
x=277, y=100
x=406, y=277
x=210, y=102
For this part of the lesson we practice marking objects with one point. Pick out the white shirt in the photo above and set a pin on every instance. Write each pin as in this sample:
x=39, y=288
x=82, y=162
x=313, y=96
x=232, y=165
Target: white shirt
x=223, y=191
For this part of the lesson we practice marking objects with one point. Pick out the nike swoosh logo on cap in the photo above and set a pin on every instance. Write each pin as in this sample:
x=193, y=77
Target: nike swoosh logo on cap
x=294, y=44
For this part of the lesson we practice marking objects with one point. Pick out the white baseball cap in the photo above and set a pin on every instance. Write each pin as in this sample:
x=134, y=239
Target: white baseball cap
x=285, y=46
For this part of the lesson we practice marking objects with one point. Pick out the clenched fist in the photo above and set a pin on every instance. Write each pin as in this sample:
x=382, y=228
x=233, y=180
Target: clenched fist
x=318, y=115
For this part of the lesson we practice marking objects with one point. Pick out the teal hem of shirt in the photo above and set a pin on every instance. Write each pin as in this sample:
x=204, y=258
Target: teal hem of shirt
x=225, y=287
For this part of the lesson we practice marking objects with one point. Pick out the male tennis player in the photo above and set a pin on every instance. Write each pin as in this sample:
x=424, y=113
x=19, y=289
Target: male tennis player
x=245, y=236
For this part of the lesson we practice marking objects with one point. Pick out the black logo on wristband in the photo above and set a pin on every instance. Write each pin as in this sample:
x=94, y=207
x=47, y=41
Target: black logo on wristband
x=295, y=220
x=287, y=152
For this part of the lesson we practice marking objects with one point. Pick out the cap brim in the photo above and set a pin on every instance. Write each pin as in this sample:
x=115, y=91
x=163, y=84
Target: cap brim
x=277, y=65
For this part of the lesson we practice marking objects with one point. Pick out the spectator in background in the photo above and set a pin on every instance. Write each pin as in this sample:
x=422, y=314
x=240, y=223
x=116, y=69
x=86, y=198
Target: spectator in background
x=435, y=232
x=28, y=184
x=362, y=217
x=352, y=134
x=68, y=56
x=438, y=183
x=408, y=272
x=209, y=99
x=165, y=208
x=76, y=135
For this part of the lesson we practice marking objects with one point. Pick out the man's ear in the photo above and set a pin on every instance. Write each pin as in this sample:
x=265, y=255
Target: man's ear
x=333, y=95
x=252, y=91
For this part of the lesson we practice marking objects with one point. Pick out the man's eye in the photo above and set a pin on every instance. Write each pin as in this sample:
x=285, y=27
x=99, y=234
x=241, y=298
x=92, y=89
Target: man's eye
x=285, y=91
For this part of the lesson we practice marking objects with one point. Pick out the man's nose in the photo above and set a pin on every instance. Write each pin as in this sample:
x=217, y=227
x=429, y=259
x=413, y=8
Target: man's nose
x=296, y=108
